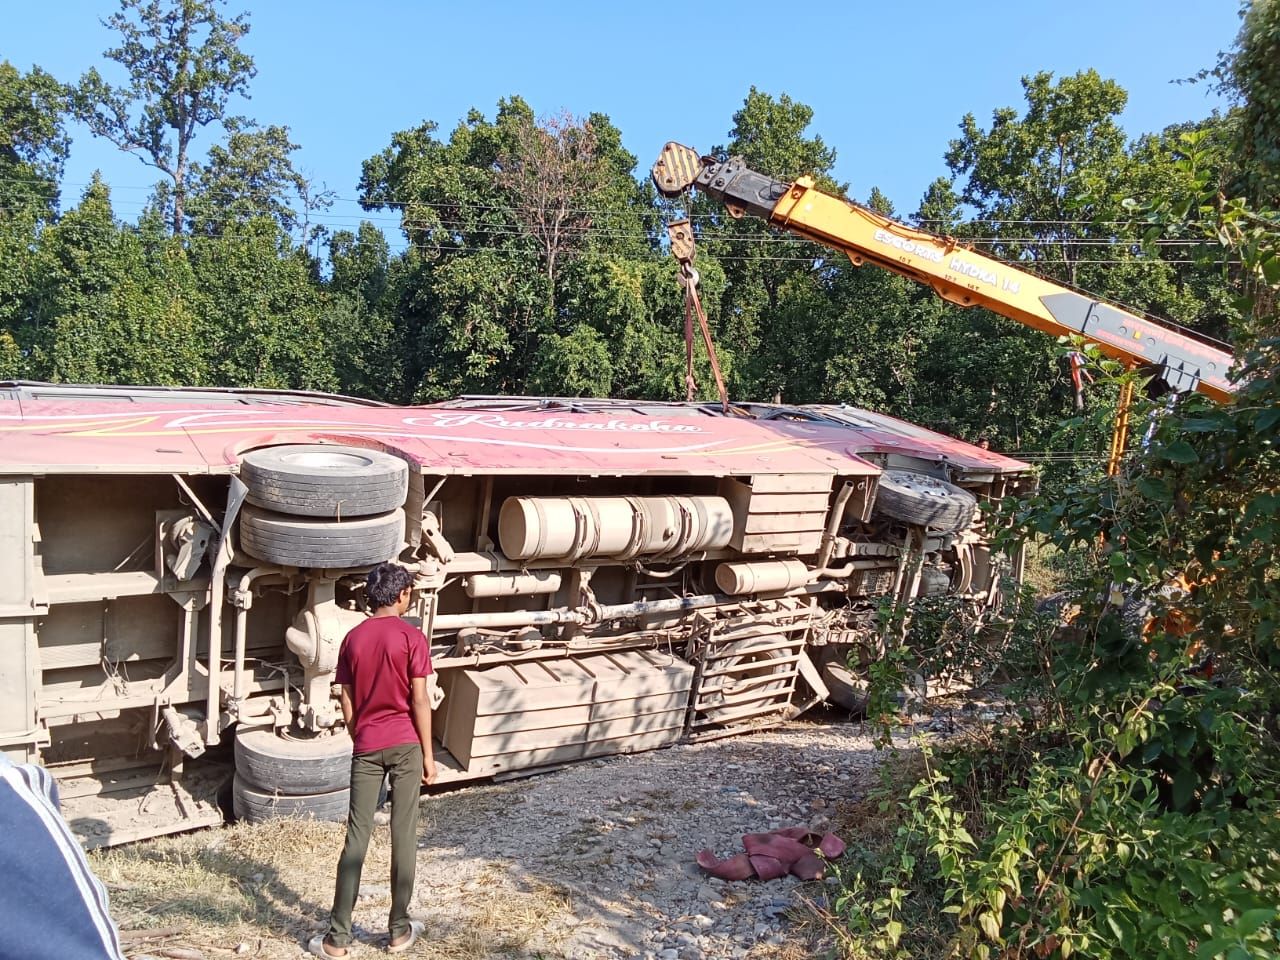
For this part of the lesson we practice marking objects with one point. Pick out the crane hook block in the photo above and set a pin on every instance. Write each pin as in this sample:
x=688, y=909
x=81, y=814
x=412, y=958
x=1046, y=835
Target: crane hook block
x=680, y=232
x=676, y=169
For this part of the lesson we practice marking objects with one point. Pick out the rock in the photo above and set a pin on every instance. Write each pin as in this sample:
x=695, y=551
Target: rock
x=703, y=922
x=669, y=954
x=664, y=883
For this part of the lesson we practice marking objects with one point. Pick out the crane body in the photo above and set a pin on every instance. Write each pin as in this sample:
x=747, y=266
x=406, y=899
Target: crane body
x=956, y=273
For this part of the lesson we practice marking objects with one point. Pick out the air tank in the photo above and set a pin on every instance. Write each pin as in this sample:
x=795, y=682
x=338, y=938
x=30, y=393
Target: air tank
x=530, y=583
x=620, y=528
x=760, y=576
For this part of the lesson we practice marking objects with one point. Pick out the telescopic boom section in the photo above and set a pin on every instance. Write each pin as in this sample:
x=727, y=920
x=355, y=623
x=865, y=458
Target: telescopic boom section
x=956, y=274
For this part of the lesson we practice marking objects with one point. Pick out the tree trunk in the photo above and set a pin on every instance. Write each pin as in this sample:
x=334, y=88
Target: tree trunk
x=179, y=191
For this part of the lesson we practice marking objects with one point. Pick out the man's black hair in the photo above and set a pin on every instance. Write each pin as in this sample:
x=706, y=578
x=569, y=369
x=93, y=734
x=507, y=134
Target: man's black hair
x=385, y=584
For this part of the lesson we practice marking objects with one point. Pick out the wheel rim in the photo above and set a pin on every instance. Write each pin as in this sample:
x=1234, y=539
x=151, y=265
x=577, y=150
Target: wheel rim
x=920, y=483
x=332, y=460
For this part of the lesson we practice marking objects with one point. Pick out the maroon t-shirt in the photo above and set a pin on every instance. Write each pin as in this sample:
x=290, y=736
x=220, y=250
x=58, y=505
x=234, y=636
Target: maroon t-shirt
x=378, y=660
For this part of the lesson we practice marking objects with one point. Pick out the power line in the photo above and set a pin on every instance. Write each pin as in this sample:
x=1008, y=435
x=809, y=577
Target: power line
x=471, y=205
x=464, y=227
x=822, y=254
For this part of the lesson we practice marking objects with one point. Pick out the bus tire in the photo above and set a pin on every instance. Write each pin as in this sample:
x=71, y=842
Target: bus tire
x=253, y=805
x=925, y=501
x=319, y=480
x=273, y=763
x=326, y=544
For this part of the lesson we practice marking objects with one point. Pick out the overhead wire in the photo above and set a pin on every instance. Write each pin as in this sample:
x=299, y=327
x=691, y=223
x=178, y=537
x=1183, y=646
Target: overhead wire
x=374, y=204
x=449, y=243
x=321, y=216
x=461, y=227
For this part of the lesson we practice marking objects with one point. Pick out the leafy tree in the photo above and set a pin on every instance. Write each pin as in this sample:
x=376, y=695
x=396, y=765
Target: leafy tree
x=183, y=65
x=1042, y=172
x=637, y=306
x=875, y=358
x=79, y=259
x=500, y=218
x=115, y=303
x=769, y=134
x=33, y=141
x=575, y=365
x=358, y=263
x=551, y=174
x=358, y=322
x=260, y=310
x=252, y=175
x=763, y=267
x=1253, y=74
x=471, y=286
x=33, y=147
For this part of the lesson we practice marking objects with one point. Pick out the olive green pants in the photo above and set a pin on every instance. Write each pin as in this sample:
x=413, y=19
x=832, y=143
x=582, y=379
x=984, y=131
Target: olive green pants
x=404, y=764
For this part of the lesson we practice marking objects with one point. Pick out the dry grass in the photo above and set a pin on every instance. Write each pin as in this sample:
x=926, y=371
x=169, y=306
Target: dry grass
x=502, y=917
x=266, y=890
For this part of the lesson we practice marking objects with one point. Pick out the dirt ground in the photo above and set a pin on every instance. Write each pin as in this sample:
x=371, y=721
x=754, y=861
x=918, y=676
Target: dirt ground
x=595, y=860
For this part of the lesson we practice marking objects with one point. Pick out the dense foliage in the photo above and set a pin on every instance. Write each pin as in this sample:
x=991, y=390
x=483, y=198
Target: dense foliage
x=1128, y=805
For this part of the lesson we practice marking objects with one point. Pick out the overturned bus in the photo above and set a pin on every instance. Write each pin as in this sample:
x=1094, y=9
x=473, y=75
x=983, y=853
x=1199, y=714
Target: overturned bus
x=595, y=577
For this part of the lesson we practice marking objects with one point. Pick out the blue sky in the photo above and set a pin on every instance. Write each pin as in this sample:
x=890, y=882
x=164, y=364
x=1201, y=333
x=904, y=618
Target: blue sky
x=889, y=81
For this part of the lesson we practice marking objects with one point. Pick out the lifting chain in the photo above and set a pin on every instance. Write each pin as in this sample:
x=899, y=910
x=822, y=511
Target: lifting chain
x=682, y=248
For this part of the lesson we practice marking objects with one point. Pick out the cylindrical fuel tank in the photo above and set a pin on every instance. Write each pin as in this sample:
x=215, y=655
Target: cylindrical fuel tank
x=570, y=528
x=761, y=576
x=512, y=584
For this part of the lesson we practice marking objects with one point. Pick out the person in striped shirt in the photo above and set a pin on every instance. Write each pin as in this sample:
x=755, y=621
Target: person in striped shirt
x=54, y=908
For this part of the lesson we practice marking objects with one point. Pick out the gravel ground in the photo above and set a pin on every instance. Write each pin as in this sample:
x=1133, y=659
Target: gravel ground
x=619, y=836
x=595, y=860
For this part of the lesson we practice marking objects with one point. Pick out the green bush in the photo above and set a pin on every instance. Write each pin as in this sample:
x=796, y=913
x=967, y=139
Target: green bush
x=1129, y=807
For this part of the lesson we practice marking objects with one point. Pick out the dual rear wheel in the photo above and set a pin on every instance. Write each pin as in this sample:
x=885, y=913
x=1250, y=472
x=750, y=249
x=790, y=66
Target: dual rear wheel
x=312, y=506
x=323, y=507
x=279, y=776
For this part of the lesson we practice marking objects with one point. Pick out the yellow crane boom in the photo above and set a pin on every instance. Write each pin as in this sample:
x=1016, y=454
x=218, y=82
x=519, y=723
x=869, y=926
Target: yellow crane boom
x=957, y=274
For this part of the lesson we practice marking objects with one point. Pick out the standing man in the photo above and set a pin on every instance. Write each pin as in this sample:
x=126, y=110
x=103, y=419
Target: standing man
x=383, y=668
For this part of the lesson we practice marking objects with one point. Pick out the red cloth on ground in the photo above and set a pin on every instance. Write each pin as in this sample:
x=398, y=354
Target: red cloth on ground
x=378, y=660
x=795, y=850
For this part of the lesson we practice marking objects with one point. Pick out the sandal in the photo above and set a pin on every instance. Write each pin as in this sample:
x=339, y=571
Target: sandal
x=315, y=947
x=416, y=929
